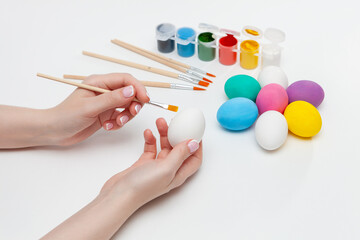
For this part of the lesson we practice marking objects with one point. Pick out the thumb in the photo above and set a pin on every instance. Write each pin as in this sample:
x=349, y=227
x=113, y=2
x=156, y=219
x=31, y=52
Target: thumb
x=116, y=98
x=181, y=152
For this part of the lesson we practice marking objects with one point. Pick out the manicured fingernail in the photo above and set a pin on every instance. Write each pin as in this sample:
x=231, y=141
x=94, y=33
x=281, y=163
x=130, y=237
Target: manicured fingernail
x=137, y=108
x=109, y=126
x=124, y=120
x=128, y=91
x=193, y=145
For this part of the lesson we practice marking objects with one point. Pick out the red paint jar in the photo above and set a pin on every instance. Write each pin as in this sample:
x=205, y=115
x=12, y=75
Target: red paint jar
x=226, y=46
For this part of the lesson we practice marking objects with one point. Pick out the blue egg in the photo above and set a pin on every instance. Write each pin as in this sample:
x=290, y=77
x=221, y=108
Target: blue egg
x=237, y=114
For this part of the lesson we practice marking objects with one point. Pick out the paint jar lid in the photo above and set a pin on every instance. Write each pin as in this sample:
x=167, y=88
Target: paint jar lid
x=274, y=35
x=185, y=36
x=208, y=27
x=252, y=32
x=165, y=31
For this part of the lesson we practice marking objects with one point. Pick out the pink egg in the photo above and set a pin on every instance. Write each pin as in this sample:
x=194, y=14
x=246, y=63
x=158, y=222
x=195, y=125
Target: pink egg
x=272, y=97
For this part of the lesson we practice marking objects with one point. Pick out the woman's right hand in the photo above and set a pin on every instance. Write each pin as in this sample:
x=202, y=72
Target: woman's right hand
x=149, y=177
x=156, y=174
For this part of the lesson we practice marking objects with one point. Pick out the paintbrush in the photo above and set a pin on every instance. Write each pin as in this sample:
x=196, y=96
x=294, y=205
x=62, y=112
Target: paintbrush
x=157, y=59
x=147, y=68
x=186, y=66
x=149, y=83
x=102, y=90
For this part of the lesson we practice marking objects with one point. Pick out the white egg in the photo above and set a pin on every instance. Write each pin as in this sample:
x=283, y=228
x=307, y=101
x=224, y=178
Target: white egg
x=187, y=124
x=273, y=74
x=271, y=130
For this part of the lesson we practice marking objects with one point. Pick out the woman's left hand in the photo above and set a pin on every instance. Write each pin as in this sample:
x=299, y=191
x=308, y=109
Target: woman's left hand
x=84, y=111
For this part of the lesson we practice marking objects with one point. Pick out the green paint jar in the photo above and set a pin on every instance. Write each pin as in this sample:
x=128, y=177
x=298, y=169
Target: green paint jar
x=206, y=41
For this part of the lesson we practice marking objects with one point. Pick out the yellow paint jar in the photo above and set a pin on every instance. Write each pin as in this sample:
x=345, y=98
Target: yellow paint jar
x=249, y=54
x=249, y=49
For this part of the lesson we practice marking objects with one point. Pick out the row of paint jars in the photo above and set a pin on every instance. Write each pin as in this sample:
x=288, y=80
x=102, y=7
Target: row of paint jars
x=208, y=42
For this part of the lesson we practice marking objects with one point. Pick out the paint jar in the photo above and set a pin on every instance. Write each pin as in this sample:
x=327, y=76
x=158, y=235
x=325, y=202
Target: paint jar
x=271, y=53
x=226, y=46
x=185, y=41
x=206, y=44
x=165, y=35
x=249, y=49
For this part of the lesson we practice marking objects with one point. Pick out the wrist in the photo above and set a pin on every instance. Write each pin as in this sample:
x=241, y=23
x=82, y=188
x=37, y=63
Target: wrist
x=25, y=127
x=46, y=128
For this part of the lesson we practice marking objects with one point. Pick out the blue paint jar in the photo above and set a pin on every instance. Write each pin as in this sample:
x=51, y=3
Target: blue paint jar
x=185, y=41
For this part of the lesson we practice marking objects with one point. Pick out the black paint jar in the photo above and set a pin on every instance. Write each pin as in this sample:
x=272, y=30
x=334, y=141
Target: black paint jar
x=165, y=35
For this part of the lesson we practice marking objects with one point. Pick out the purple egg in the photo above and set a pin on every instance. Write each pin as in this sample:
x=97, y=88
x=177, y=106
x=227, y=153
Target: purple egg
x=305, y=90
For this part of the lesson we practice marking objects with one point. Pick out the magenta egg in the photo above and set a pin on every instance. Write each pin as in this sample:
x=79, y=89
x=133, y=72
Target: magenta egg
x=305, y=90
x=272, y=97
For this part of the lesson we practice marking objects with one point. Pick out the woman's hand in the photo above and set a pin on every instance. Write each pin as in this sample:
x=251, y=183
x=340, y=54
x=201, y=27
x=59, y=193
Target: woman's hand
x=153, y=175
x=149, y=177
x=77, y=117
x=84, y=111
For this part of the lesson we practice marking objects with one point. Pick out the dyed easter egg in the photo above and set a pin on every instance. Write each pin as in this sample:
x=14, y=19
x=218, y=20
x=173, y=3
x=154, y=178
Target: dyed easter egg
x=271, y=130
x=273, y=74
x=187, y=124
x=237, y=114
x=303, y=119
x=242, y=86
x=272, y=97
x=305, y=90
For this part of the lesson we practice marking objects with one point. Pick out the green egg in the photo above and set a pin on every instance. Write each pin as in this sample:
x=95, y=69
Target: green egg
x=242, y=86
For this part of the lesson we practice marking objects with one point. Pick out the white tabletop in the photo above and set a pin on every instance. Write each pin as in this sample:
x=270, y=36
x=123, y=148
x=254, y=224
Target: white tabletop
x=308, y=189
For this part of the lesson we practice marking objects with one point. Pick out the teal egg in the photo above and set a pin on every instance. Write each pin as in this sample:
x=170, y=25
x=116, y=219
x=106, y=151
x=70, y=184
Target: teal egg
x=237, y=114
x=242, y=86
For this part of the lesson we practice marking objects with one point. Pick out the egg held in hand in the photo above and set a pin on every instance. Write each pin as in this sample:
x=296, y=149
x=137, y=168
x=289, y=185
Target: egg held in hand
x=187, y=124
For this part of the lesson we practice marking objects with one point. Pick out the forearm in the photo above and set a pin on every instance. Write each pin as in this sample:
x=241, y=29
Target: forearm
x=24, y=127
x=100, y=219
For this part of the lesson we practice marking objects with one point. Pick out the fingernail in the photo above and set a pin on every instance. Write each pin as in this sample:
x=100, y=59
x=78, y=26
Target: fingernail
x=109, y=126
x=128, y=91
x=124, y=120
x=193, y=145
x=137, y=108
x=147, y=94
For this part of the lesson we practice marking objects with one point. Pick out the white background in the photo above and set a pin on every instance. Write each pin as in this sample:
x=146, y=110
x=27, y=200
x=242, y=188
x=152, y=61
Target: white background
x=308, y=189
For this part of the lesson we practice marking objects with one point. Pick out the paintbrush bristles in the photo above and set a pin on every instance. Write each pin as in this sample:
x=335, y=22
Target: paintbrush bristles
x=173, y=108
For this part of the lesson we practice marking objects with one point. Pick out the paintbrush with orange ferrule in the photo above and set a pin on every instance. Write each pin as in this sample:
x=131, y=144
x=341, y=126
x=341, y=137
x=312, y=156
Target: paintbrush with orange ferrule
x=170, y=60
x=149, y=83
x=102, y=90
x=155, y=57
x=147, y=68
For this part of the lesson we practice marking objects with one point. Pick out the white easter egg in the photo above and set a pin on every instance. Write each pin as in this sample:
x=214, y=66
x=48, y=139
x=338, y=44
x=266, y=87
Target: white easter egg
x=272, y=74
x=187, y=124
x=271, y=130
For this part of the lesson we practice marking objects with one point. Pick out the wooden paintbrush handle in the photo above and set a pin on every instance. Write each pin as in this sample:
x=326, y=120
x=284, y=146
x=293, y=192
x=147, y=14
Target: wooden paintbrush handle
x=148, y=55
x=159, y=56
x=156, y=84
x=80, y=85
x=76, y=77
x=145, y=83
x=133, y=65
